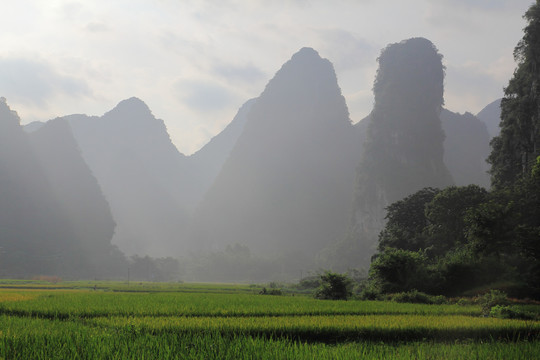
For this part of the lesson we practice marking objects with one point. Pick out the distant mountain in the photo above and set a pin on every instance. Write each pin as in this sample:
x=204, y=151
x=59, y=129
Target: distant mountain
x=33, y=126
x=285, y=189
x=79, y=196
x=466, y=148
x=361, y=129
x=36, y=237
x=403, y=150
x=491, y=116
x=141, y=173
x=205, y=164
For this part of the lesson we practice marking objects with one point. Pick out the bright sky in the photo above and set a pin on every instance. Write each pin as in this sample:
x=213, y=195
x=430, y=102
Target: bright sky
x=195, y=62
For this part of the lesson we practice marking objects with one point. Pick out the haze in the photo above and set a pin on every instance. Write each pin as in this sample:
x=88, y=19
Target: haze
x=194, y=63
x=237, y=141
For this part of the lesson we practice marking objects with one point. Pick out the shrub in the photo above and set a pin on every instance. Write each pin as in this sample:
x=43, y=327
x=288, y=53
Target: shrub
x=417, y=297
x=413, y=296
x=369, y=293
x=510, y=312
x=334, y=287
x=491, y=299
x=439, y=299
x=396, y=270
x=265, y=291
x=465, y=302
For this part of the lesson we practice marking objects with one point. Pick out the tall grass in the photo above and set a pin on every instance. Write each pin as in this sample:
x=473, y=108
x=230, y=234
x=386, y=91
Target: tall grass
x=337, y=327
x=200, y=322
x=65, y=304
x=30, y=338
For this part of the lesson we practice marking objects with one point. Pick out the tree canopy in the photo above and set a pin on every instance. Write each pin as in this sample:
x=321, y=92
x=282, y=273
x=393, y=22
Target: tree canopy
x=515, y=150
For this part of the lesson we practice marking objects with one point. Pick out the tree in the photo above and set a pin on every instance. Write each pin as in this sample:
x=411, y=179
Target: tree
x=446, y=217
x=426, y=244
x=516, y=148
x=406, y=221
x=527, y=232
x=334, y=287
x=490, y=225
x=396, y=270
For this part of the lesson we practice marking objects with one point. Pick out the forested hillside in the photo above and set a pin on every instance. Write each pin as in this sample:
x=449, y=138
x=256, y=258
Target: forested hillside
x=462, y=239
x=403, y=151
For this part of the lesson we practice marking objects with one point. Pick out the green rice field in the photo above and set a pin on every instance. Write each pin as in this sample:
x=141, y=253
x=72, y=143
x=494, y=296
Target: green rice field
x=87, y=320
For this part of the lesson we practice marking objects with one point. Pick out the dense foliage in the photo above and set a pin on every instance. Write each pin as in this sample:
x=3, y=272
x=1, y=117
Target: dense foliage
x=463, y=238
x=334, y=287
x=518, y=145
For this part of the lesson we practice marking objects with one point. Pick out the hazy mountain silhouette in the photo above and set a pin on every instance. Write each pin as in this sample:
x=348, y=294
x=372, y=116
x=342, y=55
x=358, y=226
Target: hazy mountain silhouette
x=205, y=164
x=466, y=148
x=491, y=116
x=280, y=178
x=403, y=150
x=36, y=236
x=79, y=196
x=33, y=126
x=286, y=186
x=141, y=174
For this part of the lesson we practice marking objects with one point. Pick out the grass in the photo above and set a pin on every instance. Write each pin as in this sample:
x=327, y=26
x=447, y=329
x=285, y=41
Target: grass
x=89, y=303
x=337, y=328
x=210, y=321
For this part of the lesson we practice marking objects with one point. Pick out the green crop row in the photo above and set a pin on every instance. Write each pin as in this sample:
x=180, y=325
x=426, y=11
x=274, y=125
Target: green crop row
x=124, y=286
x=204, y=321
x=31, y=338
x=337, y=327
x=88, y=303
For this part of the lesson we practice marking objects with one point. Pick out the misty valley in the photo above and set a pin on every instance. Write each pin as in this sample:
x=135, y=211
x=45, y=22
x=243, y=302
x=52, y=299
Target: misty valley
x=423, y=224
x=288, y=187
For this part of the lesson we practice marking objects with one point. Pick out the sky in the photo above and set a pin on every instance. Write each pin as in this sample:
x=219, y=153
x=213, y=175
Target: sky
x=195, y=62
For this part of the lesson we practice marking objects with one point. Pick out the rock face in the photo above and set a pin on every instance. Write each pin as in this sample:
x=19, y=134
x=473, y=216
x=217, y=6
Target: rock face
x=141, y=174
x=45, y=229
x=491, y=116
x=403, y=151
x=286, y=186
x=466, y=148
x=79, y=196
x=205, y=164
x=27, y=235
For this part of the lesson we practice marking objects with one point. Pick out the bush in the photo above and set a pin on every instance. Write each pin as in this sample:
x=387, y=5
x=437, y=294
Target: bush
x=491, y=299
x=417, y=297
x=265, y=291
x=464, y=302
x=510, y=312
x=439, y=299
x=397, y=270
x=413, y=296
x=369, y=292
x=334, y=287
